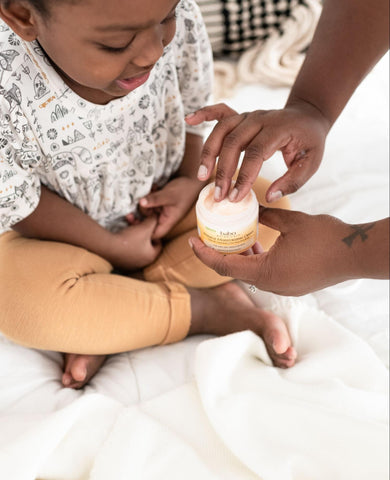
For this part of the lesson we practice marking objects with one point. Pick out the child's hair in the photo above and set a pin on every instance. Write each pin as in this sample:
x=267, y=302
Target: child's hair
x=41, y=6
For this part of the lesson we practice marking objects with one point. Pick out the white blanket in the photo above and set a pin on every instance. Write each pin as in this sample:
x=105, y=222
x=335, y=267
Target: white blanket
x=239, y=417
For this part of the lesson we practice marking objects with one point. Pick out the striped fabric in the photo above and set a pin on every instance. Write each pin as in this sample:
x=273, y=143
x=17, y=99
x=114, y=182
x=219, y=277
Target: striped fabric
x=215, y=23
x=236, y=25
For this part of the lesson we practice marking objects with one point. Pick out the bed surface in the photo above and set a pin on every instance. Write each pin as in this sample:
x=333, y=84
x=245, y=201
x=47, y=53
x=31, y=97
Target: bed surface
x=37, y=414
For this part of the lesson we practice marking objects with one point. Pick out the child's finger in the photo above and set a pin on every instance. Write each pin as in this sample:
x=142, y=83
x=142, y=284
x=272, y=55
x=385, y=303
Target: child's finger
x=210, y=113
x=147, y=212
x=156, y=246
x=155, y=199
x=150, y=224
x=132, y=219
x=164, y=224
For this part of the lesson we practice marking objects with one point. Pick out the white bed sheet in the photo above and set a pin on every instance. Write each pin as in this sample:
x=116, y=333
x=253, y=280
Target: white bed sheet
x=351, y=184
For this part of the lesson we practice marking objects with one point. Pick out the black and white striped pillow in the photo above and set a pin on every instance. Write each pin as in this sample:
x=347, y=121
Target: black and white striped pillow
x=236, y=25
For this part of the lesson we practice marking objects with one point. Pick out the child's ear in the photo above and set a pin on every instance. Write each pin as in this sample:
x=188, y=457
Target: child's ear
x=20, y=17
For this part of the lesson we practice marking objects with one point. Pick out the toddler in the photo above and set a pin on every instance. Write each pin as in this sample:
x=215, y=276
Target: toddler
x=98, y=181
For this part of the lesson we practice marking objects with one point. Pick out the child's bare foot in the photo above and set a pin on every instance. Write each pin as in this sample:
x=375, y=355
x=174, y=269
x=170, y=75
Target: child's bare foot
x=79, y=369
x=227, y=309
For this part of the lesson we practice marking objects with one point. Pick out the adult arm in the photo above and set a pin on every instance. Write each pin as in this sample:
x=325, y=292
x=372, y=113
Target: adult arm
x=311, y=253
x=351, y=36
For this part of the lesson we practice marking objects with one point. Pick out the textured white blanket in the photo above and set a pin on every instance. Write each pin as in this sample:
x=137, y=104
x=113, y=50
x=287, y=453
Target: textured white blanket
x=238, y=418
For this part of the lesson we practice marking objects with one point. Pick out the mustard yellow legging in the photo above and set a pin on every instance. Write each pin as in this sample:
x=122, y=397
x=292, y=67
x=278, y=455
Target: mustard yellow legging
x=56, y=296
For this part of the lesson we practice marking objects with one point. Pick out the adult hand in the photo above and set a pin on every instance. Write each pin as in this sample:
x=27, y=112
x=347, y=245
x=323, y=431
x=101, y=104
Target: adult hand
x=298, y=131
x=312, y=252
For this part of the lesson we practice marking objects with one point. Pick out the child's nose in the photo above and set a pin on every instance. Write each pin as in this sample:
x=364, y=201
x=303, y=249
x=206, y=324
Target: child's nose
x=151, y=48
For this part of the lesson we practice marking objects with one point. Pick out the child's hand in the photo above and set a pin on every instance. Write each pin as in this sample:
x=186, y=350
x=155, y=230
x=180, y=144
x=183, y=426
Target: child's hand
x=171, y=203
x=298, y=130
x=134, y=247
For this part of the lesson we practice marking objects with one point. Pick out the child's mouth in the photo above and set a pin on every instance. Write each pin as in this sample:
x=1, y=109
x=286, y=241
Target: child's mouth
x=132, y=83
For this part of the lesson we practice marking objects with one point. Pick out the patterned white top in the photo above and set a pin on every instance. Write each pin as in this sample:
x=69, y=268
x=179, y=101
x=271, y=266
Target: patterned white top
x=101, y=158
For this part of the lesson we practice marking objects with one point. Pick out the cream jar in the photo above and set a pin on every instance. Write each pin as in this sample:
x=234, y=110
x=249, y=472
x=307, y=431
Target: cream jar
x=228, y=227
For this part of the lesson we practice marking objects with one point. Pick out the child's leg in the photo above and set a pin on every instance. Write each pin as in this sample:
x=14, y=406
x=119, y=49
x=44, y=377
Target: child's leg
x=56, y=296
x=59, y=297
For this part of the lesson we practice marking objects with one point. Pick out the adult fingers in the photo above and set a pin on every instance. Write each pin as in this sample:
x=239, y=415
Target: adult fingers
x=232, y=137
x=301, y=168
x=260, y=148
x=257, y=248
x=234, y=265
x=210, y=113
x=213, y=145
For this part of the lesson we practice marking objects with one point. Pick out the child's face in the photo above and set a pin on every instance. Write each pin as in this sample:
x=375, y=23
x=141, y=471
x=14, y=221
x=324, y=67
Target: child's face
x=104, y=49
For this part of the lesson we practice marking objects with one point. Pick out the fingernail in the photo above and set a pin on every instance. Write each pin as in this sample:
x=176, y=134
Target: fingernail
x=66, y=381
x=190, y=243
x=202, y=172
x=233, y=194
x=83, y=372
x=190, y=115
x=273, y=196
x=143, y=202
x=217, y=193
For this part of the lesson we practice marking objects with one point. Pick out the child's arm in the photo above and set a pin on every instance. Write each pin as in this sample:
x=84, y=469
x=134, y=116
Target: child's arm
x=311, y=253
x=179, y=194
x=58, y=220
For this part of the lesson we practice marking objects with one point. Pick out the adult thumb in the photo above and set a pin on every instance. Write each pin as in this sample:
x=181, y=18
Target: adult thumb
x=298, y=173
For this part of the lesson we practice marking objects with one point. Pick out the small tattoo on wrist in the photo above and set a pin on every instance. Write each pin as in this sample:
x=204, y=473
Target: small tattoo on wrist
x=358, y=231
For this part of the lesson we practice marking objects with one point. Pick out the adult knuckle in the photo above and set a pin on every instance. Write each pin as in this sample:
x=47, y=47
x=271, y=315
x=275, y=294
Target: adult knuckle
x=244, y=179
x=294, y=185
x=207, y=152
x=254, y=153
x=232, y=140
x=221, y=267
x=220, y=175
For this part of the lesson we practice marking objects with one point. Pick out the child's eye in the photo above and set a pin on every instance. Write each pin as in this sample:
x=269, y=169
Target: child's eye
x=113, y=49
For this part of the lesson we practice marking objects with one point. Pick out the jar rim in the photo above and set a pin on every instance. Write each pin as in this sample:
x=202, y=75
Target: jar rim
x=214, y=218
